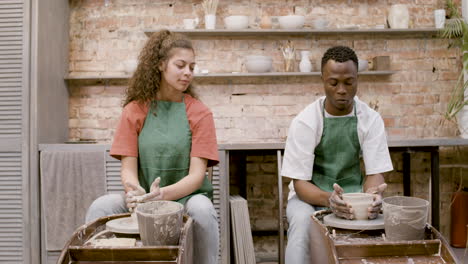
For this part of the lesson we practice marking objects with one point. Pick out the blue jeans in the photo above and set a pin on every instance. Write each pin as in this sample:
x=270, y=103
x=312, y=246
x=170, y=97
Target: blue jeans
x=299, y=231
x=199, y=207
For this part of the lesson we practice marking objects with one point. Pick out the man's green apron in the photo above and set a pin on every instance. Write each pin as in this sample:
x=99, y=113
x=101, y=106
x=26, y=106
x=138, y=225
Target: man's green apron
x=164, y=146
x=337, y=155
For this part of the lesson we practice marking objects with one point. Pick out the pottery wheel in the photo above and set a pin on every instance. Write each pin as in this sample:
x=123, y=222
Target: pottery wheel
x=338, y=222
x=124, y=225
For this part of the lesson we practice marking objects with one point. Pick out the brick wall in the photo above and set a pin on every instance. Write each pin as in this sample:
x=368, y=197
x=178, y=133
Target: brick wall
x=104, y=38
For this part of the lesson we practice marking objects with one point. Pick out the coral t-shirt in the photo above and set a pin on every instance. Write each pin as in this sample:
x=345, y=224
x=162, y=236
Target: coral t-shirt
x=201, y=123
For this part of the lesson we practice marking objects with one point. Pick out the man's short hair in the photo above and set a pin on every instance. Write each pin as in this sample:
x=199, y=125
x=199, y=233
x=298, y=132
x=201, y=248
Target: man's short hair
x=339, y=54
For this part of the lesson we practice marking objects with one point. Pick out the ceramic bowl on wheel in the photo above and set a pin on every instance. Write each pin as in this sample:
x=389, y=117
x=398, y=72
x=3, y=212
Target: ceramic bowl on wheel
x=291, y=22
x=236, y=22
x=258, y=64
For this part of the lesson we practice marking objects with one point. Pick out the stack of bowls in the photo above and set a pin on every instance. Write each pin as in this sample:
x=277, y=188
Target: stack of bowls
x=291, y=22
x=236, y=22
x=258, y=63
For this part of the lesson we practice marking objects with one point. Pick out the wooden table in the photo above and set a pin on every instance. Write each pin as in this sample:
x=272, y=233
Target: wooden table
x=407, y=146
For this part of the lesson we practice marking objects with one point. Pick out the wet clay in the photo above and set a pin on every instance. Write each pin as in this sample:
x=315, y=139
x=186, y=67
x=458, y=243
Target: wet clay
x=405, y=217
x=160, y=222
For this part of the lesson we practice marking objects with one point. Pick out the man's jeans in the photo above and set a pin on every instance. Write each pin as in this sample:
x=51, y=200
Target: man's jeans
x=299, y=232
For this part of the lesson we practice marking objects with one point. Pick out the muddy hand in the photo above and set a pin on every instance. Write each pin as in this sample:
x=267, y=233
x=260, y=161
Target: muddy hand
x=155, y=193
x=374, y=210
x=339, y=207
x=133, y=197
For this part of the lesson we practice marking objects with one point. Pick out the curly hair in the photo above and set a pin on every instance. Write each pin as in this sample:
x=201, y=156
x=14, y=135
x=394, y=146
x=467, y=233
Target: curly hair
x=339, y=54
x=145, y=82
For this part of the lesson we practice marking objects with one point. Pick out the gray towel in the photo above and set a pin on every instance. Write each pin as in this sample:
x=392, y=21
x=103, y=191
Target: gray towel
x=70, y=182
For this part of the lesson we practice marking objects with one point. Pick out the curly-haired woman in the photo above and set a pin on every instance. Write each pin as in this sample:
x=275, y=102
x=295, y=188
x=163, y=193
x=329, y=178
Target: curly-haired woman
x=165, y=140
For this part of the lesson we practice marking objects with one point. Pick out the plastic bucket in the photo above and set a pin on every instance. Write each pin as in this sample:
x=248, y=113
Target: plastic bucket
x=160, y=222
x=405, y=217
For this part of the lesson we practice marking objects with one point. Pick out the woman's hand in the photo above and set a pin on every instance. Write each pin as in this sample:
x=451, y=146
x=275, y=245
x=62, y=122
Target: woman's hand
x=133, y=197
x=376, y=206
x=339, y=207
x=155, y=194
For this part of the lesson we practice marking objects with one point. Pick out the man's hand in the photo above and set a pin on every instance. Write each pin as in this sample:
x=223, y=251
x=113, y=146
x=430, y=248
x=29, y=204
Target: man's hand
x=339, y=207
x=132, y=197
x=376, y=206
x=155, y=193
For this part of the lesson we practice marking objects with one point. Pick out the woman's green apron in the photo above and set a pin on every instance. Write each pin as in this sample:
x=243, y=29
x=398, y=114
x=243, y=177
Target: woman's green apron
x=337, y=155
x=164, y=146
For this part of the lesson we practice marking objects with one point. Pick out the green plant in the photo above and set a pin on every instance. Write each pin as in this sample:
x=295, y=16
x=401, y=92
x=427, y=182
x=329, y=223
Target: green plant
x=456, y=30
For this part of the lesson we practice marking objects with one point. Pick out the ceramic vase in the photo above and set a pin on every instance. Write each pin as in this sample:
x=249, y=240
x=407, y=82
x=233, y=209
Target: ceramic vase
x=465, y=9
x=210, y=21
x=305, y=65
x=398, y=16
x=462, y=120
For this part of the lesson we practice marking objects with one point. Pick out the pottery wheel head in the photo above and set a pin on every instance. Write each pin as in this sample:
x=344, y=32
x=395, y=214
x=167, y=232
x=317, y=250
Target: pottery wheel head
x=125, y=225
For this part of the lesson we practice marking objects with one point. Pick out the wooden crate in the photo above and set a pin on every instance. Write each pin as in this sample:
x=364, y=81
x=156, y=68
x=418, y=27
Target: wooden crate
x=342, y=246
x=75, y=251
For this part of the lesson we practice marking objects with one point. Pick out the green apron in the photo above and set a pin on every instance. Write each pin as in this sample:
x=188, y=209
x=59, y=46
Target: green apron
x=337, y=155
x=164, y=146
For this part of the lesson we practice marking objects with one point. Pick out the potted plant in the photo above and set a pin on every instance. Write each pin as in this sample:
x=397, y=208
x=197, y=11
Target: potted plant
x=456, y=30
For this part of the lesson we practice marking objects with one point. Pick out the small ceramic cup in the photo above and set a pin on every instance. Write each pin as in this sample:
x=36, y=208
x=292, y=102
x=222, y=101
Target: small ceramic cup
x=360, y=202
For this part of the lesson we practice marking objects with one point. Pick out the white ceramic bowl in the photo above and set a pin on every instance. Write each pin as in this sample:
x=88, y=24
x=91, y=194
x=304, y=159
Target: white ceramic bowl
x=258, y=64
x=320, y=23
x=236, y=22
x=291, y=22
x=363, y=65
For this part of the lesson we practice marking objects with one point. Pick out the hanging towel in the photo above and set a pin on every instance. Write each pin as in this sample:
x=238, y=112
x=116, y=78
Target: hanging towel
x=70, y=182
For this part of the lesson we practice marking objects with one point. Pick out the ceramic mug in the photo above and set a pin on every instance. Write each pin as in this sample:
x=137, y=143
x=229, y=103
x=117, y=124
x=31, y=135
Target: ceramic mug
x=190, y=23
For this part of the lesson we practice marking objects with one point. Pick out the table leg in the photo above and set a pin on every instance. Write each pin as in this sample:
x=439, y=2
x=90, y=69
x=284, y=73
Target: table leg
x=280, y=210
x=224, y=212
x=406, y=173
x=435, y=187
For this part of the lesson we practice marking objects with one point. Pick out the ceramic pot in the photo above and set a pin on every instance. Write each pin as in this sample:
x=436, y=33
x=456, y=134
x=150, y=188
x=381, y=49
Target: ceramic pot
x=398, y=16
x=305, y=65
x=360, y=202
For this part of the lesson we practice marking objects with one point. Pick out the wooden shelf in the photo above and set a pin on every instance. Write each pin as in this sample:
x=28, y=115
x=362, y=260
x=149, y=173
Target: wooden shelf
x=105, y=79
x=280, y=74
x=98, y=78
x=300, y=32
